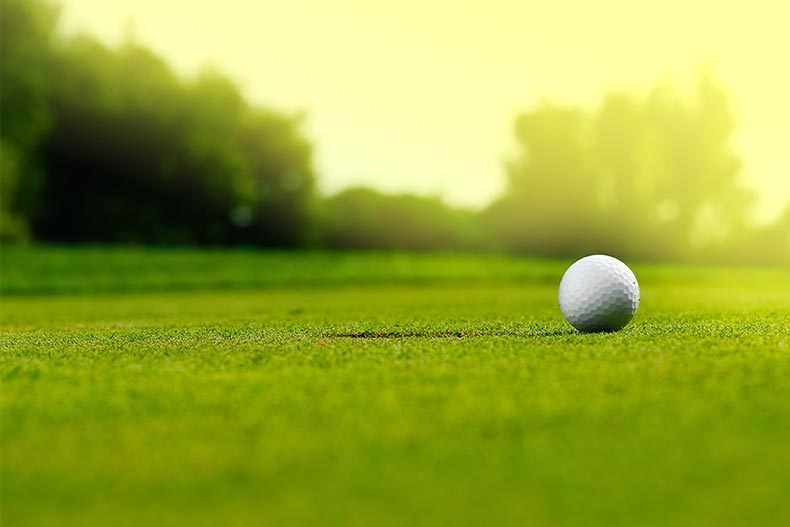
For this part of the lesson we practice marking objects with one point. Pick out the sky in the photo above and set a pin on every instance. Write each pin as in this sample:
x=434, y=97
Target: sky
x=421, y=95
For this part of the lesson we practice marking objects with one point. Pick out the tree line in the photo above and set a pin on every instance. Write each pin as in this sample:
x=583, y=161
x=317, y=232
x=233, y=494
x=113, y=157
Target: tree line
x=109, y=145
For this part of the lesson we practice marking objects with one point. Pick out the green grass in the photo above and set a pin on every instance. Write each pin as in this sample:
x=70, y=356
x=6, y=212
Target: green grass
x=237, y=388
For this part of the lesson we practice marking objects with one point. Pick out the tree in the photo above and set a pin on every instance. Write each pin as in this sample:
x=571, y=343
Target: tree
x=547, y=206
x=653, y=178
x=27, y=43
x=362, y=218
x=110, y=145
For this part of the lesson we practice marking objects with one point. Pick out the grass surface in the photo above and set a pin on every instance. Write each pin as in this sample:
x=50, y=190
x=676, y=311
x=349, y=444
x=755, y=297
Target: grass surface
x=205, y=388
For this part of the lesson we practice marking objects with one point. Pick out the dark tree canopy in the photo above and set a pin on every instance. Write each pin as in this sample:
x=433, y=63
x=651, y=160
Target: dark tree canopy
x=121, y=149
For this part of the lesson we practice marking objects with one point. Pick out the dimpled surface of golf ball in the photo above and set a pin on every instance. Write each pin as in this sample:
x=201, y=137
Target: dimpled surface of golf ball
x=599, y=293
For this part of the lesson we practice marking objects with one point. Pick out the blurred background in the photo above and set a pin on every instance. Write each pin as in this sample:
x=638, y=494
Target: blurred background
x=656, y=134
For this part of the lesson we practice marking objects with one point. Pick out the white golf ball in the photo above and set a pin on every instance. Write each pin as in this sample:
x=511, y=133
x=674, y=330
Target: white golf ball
x=599, y=293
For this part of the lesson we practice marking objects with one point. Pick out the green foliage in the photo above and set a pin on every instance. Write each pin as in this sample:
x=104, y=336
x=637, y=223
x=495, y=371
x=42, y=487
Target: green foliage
x=26, y=84
x=427, y=403
x=133, y=153
x=654, y=178
x=13, y=226
x=362, y=218
x=768, y=244
x=26, y=53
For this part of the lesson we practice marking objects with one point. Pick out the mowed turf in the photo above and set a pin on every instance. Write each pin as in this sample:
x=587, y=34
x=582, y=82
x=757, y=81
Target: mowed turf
x=237, y=388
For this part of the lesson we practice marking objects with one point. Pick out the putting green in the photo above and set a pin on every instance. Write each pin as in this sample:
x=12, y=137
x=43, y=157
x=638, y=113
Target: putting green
x=164, y=387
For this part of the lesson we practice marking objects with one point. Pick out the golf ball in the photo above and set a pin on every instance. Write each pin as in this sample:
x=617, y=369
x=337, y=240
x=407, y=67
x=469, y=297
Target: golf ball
x=599, y=293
